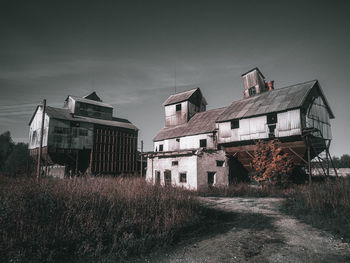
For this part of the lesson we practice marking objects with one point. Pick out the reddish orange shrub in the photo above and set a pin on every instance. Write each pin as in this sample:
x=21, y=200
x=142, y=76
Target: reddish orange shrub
x=271, y=163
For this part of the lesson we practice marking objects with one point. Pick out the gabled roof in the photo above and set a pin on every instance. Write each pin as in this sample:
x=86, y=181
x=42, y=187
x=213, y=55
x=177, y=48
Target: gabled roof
x=65, y=114
x=201, y=122
x=92, y=96
x=257, y=69
x=183, y=96
x=277, y=100
x=89, y=101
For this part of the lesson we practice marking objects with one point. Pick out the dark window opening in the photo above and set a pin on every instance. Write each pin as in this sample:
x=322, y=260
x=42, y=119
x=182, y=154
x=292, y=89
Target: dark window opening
x=234, y=124
x=203, y=143
x=211, y=178
x=161, y=147
x=252, y=91
x=83, y=132
x=175, y=163
x=272, y=131
x=178, y=107
x=167, y=178
x=178, y=140
x=220, y=163
x=183, y=178
x=271, y=118
x=158, y=177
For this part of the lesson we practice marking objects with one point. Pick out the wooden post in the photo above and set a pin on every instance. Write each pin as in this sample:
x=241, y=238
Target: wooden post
x=77, y=163
x=141, y=165
x=309, y=160
x=41, y=140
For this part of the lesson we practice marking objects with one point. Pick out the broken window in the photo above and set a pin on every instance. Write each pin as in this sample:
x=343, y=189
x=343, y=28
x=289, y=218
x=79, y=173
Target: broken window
x=234, y=124
x=175, y=163
x=211, y=178
x=183, y=178
x=220, y=163
x=252, y=91
x=160, y=147
x=178, y=107
x=272, y=118
x=203, y=143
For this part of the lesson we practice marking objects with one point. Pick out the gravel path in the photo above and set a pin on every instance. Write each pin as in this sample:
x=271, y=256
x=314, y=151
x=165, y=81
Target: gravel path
x=254, y=230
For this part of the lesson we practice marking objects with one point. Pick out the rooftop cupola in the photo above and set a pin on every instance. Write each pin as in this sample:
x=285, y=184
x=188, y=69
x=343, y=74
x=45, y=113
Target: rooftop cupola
x=254, y=83
x=181, y=107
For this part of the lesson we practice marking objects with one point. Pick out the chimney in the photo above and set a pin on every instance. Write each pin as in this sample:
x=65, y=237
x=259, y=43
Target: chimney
x=270, y=85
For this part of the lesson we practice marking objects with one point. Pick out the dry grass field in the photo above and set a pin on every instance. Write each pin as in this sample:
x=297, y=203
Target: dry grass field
x=59, y=220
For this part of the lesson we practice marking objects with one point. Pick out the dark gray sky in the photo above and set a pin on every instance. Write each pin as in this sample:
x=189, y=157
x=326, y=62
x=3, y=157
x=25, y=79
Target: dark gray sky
x=127, y=51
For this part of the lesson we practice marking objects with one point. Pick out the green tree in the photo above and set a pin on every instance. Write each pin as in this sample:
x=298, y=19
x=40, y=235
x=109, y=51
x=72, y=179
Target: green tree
x=6, y=147
x=345, y=161
x=18, y=160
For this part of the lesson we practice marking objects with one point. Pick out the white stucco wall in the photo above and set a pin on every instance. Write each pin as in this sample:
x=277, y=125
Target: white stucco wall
x=35, y=129
x=186, y=164
x=186, y=142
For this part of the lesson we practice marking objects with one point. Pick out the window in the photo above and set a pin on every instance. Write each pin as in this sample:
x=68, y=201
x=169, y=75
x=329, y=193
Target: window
x=252, y=91
x=211, y=178
x=220, y=163
x=272, y=118
x=203, y=143
x=167, y=178
x=158, y=177
x=83, y=132
x=174, y=163
x=178, y=107
x=234, y=124
x=183, y=178
x=160, y=147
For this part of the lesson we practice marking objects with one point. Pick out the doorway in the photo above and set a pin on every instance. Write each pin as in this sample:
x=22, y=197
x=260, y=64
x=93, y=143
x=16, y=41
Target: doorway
x=211, y=178
x=167, y=178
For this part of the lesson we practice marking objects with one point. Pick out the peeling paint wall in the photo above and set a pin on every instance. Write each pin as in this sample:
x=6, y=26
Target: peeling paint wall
x=317, y=117
x=207, y=162
x=185, y=164
x=35, y=129
x=186, y=142
x=288, y=124
x=173, y=117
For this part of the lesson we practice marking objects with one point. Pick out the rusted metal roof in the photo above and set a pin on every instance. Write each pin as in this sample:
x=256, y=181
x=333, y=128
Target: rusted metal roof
x=182, y=96
x=202, y=122
x=277, y=100
x=64, y=114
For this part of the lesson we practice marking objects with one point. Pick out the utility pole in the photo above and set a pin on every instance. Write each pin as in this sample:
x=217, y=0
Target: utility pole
x=309, y=160
x=141, y=166
x=41, y=140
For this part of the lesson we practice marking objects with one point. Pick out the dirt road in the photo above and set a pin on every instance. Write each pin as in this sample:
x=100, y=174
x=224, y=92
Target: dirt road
x=254, y=230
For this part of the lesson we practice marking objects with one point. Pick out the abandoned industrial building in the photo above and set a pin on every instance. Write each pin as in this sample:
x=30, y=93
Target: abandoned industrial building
x=84, y=137
x=196, y=147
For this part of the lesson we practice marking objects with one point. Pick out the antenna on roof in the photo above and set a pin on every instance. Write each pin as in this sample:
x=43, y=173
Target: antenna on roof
x=175, y=81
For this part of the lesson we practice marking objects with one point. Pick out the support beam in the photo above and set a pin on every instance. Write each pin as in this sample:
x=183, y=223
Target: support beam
x=301, y=158
x=41, y=140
